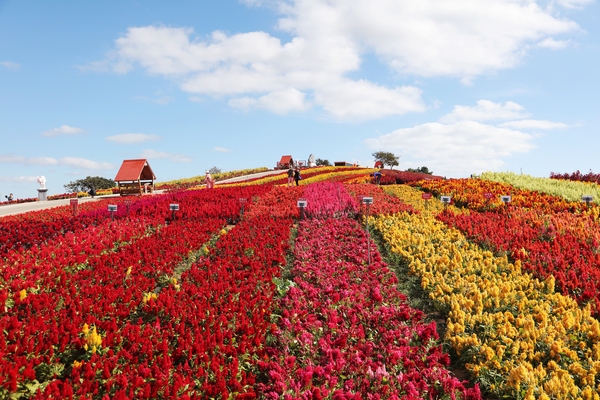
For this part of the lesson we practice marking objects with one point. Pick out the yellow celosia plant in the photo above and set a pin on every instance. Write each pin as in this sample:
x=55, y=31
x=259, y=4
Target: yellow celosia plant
x=93, y=340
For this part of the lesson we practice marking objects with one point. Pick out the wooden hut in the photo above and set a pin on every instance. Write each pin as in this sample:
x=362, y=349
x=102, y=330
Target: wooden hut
x=285, y=162
x=135, y=177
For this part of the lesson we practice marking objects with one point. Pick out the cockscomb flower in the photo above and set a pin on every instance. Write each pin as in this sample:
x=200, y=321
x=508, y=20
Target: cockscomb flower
x=22, y=294
x=92, y=339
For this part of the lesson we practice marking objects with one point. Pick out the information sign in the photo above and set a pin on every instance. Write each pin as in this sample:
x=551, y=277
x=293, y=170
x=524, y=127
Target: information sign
x=426, y=196
x=446, y=199
x=506, y=199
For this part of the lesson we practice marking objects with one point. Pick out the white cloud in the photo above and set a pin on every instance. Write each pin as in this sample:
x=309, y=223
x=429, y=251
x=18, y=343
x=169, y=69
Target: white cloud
x=533, y=124
x=574, y=3
x=18, y=179
x=550, y=43
x=456, y=149
x=10, y=64
x=466, y=141
x=221, y=149
x=153, y=154
x=158, y=100
x=63, y=130
x=84, y=163
x=486, y=110
x=12, y=159
x=329, y=38
x=280, y=102
x=132, y=138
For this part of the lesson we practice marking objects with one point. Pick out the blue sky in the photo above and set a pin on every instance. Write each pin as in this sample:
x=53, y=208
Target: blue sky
x=460, y=86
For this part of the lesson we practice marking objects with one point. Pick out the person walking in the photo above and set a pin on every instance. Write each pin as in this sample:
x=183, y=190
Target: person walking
x=290, y=176
x=210, y=183
x=297, y=176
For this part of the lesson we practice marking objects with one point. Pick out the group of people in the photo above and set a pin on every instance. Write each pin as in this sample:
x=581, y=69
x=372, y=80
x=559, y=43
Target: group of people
x=294, y=175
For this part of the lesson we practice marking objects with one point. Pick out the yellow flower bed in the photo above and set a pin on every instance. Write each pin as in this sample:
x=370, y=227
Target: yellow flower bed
x=517, y=336
x=333, y=175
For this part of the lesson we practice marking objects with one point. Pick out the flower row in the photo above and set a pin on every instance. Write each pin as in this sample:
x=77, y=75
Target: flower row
x=344, y=331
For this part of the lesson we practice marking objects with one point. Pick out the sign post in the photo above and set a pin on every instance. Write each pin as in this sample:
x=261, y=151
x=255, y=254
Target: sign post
x=173, y=208
x=426, y=196
x=128, y=205
x=302, y=203
x=112, y=208
x=446, y=200
x=242, y=202
x=506, y=200
x=74, y=203
x=368, y=201
x=588, y=199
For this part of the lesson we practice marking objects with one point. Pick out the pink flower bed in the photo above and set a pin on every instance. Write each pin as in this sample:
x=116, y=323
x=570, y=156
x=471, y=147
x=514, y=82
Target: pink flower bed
x=345, y=332
x=329, y=199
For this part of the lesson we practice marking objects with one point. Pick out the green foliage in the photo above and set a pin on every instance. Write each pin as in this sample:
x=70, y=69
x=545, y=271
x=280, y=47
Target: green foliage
x=84, y=185
x=386, y=158
x=322, y=163
x=421, y=170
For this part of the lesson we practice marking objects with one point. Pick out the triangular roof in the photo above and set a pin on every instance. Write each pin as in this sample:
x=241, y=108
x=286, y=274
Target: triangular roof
x=285, y=159
x=135, y=170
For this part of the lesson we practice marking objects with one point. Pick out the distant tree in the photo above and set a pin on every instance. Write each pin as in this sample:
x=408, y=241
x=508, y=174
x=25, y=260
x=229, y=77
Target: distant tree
x=84, y=185
x=214, y=170
x=386, y=158
x=322, y=163
x=421, y=170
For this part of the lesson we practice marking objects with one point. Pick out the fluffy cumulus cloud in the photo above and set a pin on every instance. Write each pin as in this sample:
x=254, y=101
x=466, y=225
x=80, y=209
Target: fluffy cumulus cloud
x=154, y=154
x=132, y=138
x=468, y=140
x=64, y=130
x=328, y=40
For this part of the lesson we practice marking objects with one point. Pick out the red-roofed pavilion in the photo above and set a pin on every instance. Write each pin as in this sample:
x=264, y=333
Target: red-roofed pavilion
x=135, y=177
x=285, y=162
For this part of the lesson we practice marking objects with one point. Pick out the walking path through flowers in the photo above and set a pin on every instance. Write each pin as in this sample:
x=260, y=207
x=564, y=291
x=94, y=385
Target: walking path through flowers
x=213, y=302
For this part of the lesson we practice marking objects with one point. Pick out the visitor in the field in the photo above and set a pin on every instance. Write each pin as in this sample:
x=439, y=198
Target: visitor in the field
x=297, y=176
x=210, y=183
x=377, y=176
x=9, y=197
x=92, y=192
x=290, y=176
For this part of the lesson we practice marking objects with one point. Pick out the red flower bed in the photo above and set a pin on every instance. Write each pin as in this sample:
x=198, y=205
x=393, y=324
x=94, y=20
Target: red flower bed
x=577, y=176
x=345, y=332
x=563, y=245
x=391, y=176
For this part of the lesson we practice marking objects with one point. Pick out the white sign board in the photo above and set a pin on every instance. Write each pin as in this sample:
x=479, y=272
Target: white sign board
x=506, y=199
x=174, y=207
x=367, y=200
x=112, y=207
x=446, y=199
x=587, y=199
x=302, y=203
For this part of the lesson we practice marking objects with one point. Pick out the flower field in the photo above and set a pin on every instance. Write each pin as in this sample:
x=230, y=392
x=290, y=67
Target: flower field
x=239, y=295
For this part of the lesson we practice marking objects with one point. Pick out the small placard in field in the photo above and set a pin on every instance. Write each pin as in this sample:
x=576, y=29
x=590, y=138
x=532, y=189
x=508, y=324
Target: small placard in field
x=74, y=202
x=174, y=207
x=112, y=207
x=488, y=195
x=367, y=200
x=506, y=199
x=302, y=203
x=587, y=199
x=426, y=196
x=446, y=199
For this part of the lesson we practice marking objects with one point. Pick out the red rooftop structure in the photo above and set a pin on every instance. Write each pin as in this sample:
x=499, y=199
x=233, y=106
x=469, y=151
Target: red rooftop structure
x=285, y=162
x=135, y=177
